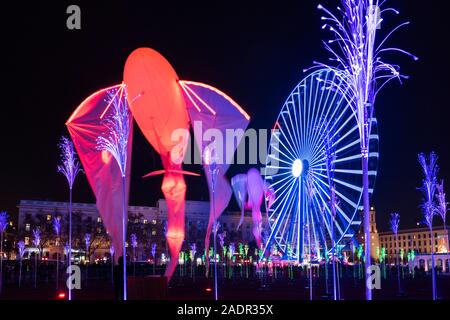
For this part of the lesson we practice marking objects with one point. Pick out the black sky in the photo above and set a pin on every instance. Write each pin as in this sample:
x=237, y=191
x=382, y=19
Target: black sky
x=253, y=51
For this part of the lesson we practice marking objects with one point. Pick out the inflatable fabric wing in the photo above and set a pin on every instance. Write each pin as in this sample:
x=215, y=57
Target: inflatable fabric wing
x=210, y=108
x=158, y=106
x=102, y=171
x=249, y=190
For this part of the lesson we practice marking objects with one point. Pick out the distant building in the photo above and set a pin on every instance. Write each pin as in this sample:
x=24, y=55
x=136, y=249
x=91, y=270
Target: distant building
x=374, y=236
x=148, y=223
x=418, y=239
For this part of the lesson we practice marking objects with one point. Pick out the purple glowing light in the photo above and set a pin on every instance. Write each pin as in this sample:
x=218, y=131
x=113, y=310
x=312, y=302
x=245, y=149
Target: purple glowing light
x=133, y=239
x=442, y=202
x=3, y=221
x=118, y=124
x=395, y=222
x=57, y=225
x=21, y=248
x=430, y=169
x=37, y=237
x=70, y=166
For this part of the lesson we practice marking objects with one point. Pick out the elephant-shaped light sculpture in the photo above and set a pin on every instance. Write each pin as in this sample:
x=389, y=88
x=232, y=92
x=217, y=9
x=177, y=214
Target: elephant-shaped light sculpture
x=249, y=190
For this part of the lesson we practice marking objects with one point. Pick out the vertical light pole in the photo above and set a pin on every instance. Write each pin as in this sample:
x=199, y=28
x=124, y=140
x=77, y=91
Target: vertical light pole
x=210, y=159
x=36, y=243
x=115, y=141
x=21, y=248
x=57, y=229
x=111, y=252
x=430, y=169
x=395, y=221
x=69, y=167
x=361, y=74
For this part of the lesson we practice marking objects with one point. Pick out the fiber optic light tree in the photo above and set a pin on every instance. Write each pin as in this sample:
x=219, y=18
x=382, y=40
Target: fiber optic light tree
x=133, y=240
x=57, y=229
x=70, y=167
x=3, y=224
x=111, y=252
x=21, y=249
x=36, y=243
x=394, y=222
x=87, y=243
x=357, y=62
x=193, y=252
x=115, y=141
x=154, y=256
x=430, y=169
x=442, y=209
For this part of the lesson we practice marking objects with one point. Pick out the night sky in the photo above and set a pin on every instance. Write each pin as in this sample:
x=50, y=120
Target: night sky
x=255, y=52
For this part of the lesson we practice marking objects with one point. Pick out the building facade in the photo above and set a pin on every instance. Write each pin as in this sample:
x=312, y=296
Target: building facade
x=418, y=239
x=148, y=223
x=374, y=236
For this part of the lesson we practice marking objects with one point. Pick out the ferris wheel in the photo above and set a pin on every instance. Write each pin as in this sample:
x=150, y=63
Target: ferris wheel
x=316, y=121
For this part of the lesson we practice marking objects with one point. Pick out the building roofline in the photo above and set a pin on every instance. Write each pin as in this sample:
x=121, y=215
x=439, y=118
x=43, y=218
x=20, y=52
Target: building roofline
x=421, y=229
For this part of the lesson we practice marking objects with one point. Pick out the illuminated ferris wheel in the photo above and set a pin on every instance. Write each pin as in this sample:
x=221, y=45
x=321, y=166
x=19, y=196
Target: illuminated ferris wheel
x=315, y=122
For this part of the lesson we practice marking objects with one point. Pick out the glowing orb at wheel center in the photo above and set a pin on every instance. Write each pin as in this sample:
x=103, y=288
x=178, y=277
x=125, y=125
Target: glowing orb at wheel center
x=297, y=168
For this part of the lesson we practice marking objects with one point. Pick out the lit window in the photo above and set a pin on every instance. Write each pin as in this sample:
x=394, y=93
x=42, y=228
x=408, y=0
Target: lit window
x=153, y=221
x=154, y=233
x=49, y=217
x=11, y=223
x=27, y=240
x=145, y=221
x=99, y=219
x=27, y=227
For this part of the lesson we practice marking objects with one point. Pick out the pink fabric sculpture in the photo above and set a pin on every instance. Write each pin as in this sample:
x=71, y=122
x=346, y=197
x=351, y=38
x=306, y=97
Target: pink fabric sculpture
x=215, y=112
x=249, y=190
x=158, y=106
x=102, y=171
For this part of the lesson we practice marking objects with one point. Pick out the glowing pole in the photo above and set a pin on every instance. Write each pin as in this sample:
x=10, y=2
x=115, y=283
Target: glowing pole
x=57, y=228
x=115, y=141
x=3, y=224
x=395, y=221
x=111, y=251
x=210, y=158
x=133, y=239
x=36, y=242
x=70, y=167
x=361, y=74
x=428, y=189
x=21, y=247
x=442, y=210
x=154, y=257
x=87, y=240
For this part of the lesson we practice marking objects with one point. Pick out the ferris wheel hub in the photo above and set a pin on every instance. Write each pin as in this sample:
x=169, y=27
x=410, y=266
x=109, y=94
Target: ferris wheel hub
x=297, y=168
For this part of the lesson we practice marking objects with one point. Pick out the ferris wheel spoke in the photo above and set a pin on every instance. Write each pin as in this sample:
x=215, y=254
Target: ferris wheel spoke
x=281, y=215
x=297, y=127
x=282, y=194
x=284, y=146
x=334, y=111
x=290, y=130
x=282, y=153
x=282, y=131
